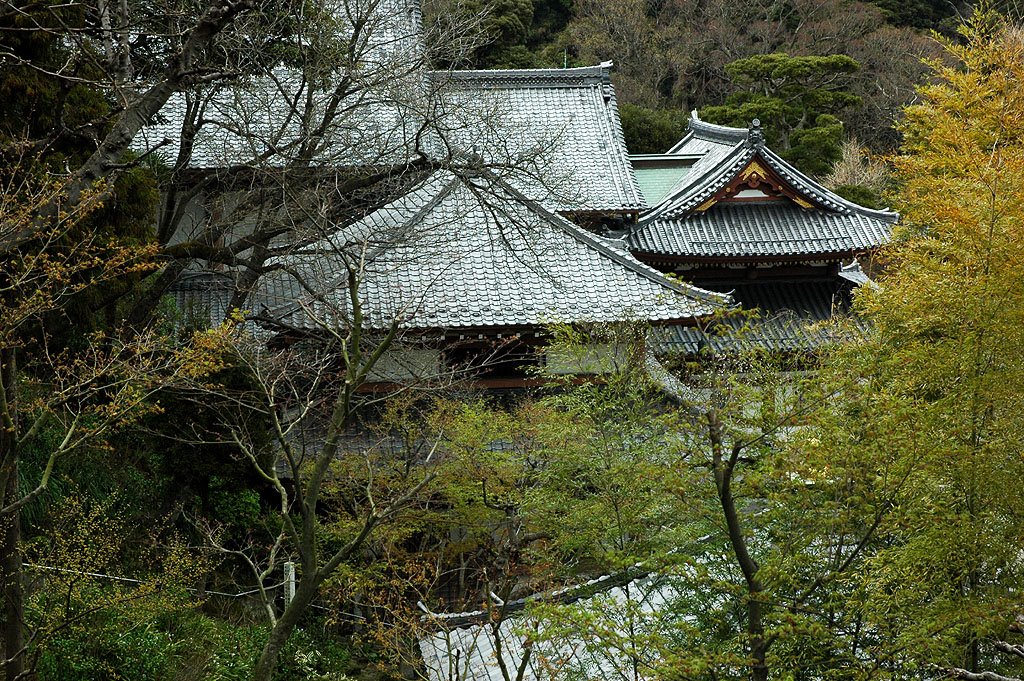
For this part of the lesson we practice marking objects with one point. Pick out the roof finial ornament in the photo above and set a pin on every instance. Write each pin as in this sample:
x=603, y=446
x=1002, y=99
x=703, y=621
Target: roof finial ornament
x=755, y=136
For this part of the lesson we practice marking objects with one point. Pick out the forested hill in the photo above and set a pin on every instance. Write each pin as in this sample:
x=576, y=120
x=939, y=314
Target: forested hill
x=672, y=56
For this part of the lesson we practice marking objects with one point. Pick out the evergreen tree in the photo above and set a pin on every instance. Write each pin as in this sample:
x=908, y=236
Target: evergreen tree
x=797, y=100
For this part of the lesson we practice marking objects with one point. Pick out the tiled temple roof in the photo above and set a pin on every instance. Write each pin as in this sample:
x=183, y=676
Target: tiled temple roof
x=256, y=120
x=690, y=223
x=463, y=645
x=567, y=118
x=759, y=229
x=555, y=132
x=451, y=255
x=790, y=317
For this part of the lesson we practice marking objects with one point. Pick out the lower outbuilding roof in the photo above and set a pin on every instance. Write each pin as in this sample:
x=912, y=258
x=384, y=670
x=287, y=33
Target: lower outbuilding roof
x=788, y=317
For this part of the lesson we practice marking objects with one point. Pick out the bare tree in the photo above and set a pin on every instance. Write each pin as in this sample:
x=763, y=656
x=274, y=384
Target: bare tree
x=278, y=160
x=308, y=396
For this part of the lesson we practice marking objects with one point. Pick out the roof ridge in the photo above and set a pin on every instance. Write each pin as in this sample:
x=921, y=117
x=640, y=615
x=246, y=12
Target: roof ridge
x=790, y=173
x=674, y=149
x=576, y=76
x=714, y=131
x=629, y=186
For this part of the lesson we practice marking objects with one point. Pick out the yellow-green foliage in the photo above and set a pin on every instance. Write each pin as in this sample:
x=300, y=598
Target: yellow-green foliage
x=87, y=624
x=942, y=378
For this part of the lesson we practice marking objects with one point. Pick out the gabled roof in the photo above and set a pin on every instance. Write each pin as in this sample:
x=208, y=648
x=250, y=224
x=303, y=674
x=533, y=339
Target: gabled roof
x=700, y=219
x=455, y=254
x=564, y=122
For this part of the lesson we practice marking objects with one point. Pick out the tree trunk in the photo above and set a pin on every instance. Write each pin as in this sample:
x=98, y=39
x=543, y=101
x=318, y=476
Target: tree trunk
x=284, y=627
x=724, y=469
x=758, y=644
x=14, y=597
x=10, y=556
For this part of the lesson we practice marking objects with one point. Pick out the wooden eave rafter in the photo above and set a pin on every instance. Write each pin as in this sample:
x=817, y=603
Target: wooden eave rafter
x=513, y=383
x=757, y=175
x=580, y=217
x=527, y=334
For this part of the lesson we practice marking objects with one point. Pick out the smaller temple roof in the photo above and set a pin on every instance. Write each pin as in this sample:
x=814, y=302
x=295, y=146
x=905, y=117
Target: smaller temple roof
x=791, y=317
x=561, y=125
x=759, y=230
x=470, y=253
x=741, y=200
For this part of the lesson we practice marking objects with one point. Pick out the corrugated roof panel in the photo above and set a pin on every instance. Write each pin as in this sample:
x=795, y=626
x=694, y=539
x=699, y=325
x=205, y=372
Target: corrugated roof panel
x=656, y=183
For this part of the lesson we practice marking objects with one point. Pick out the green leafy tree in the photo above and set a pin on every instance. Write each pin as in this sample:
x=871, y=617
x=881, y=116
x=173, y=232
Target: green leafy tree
x=947, y=347
x=503, y=29
x=651, y=131
x=749, y=525
x=918, y=13
x=797, y=100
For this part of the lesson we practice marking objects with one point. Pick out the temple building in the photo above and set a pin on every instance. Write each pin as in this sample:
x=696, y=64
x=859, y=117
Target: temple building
x=497, y=231
x=479, y=206
x=471, y=277
x=730, y=215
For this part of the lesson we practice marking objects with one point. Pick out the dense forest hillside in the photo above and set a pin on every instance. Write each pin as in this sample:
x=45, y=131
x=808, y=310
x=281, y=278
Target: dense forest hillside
x=675, y=56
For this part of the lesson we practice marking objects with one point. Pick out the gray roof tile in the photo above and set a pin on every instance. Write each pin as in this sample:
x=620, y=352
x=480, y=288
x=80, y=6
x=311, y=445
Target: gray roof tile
x=255, y=121
x=453, y=256
x=567, y=116
x=469, y=651
x=789, y=318
x=254, y=124
x=769, y=229
x=202, y=298
x=555, y=132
